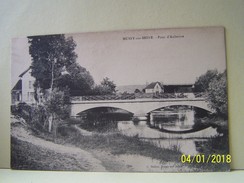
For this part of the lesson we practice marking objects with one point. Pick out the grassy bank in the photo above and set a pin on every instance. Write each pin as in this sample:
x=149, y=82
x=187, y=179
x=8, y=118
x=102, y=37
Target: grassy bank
x=213, y=147
x=40, y=154
x=117, y=144
x=27, y=156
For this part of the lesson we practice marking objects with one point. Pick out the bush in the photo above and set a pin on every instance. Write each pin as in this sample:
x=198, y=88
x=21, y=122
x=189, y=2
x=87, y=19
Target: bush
x=217, y=94
x=22, y=110
x=39, y=117
x=58, y=104
x=202, y=82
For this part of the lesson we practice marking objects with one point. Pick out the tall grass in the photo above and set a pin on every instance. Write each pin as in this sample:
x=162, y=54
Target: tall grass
x=117, y=144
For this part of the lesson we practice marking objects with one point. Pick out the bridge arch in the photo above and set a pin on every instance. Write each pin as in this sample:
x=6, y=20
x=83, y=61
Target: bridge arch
x=103, y=107
x=197, y=106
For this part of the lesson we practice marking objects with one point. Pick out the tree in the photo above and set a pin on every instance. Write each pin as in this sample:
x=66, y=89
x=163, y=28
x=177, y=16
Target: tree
x=57, y=105
x=137, y=91
x=109, y=85
x=106, y=87
x=79, y=81
x=202, y=83
x=217, y=94
x=50, y=54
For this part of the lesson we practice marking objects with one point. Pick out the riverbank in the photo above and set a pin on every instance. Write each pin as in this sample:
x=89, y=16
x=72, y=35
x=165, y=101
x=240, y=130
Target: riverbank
x=31, y=152
x=90, y=152
x=78, y=149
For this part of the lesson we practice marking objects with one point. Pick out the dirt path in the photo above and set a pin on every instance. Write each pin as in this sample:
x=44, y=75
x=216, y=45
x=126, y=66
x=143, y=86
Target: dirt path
x=85, y=159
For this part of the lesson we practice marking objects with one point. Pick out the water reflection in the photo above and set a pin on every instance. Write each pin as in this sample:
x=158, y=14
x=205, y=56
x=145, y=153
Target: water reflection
x=185, y=143
x=142, y=130
x=177, y=118
x=178, y=128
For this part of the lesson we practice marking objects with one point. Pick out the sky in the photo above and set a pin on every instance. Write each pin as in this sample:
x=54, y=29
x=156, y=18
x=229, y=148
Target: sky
x=171, y=56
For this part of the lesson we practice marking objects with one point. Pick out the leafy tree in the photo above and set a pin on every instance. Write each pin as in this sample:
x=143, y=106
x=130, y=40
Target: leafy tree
x=106, y=87
x=213, y=84
x=39, y=117
x=57, y=105
x=109, y=85
x=202, y=83
x=79, y=80
x=137, y=91
x=50, y=55
x=217, y=94
x=99, y=90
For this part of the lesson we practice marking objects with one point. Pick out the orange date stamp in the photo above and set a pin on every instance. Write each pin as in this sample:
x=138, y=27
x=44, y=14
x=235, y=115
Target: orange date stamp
x=202, y=158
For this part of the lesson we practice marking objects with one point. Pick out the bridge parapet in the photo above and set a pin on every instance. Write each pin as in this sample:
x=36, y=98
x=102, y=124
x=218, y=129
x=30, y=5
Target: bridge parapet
x=135, y=96
x=200, y=95
x=104, y=97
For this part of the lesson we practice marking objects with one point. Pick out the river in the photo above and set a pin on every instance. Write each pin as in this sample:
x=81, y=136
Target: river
x=177, y=128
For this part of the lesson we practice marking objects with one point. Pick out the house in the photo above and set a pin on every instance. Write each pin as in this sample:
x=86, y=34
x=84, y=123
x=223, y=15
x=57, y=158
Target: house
x=154, y=88
x=157, y=87
x=23, y=91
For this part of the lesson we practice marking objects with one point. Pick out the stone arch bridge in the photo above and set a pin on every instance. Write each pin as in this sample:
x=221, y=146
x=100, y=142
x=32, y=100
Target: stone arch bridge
x=139, y=107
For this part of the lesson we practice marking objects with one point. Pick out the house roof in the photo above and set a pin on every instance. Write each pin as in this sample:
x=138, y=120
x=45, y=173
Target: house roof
x=23, y=73
x=18, y=85
x=152, y=85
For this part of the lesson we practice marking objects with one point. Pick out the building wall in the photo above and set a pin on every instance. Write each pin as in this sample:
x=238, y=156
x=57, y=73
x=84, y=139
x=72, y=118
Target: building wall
x=16, y=97
x=28, y=88
x=149, y=90
x=157, y=88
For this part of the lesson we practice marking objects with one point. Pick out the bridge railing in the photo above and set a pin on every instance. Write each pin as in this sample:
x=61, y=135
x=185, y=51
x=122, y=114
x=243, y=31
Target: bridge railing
x=200, y=95
x=104, y=97
x=133, y=96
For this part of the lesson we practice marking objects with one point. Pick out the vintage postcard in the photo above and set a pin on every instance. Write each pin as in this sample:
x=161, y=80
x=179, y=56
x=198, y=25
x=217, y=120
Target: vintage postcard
x=121, y=101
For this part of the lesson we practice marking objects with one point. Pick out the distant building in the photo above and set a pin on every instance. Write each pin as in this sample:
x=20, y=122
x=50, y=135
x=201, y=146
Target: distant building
x=157, y=87
x=23, y=91
x=154, y=88
x=178, y=88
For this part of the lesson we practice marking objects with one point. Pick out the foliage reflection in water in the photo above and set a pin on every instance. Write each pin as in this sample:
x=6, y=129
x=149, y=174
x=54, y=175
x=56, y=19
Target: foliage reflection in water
x=178, y=119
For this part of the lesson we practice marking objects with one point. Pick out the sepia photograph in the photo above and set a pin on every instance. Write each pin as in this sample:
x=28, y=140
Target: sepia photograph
x=121, y=101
